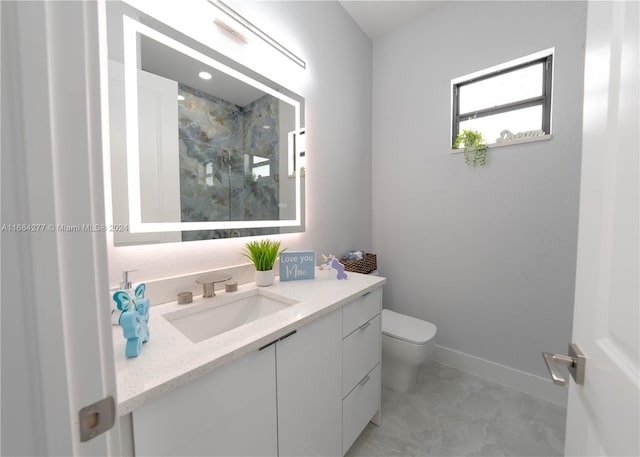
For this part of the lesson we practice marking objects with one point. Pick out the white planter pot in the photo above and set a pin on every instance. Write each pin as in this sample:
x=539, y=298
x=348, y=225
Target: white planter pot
x=264, y=278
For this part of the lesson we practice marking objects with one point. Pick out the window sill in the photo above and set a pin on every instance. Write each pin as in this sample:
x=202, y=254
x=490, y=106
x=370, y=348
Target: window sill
x=511, y=143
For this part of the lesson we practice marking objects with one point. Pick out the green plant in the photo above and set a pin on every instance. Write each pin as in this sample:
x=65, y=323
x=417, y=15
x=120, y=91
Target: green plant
x=263, y=253
x=475, y=147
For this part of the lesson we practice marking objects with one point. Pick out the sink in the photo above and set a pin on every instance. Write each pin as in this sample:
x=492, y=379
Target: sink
x=205, y=321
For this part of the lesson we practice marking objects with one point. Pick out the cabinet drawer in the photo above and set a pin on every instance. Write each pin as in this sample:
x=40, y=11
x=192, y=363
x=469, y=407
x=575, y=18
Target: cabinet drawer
x=359, y=407
x=361, y=310
x=360, y=353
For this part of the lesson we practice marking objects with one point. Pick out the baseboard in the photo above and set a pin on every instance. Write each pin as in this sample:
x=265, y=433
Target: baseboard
x=515, y=379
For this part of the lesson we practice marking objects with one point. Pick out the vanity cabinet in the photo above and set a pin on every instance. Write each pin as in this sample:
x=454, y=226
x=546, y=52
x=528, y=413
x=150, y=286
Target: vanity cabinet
x=309, y=388
x=308, y=393
x=228, y=412
x=361, y=349
x=232, y=411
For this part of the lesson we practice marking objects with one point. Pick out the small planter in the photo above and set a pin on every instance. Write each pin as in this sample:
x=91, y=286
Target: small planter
x=264, y=278
x=475, y=147
x=263, y=255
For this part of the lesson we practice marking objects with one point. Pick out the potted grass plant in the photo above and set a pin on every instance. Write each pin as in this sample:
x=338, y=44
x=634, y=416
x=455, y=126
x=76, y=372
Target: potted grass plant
x=263, y=254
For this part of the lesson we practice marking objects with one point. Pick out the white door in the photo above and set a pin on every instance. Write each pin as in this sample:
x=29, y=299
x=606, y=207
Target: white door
x=57, y=352
x=159, y=155
x=603, y=413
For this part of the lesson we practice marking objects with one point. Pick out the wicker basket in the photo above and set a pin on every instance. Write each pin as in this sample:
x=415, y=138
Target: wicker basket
x=364, y=266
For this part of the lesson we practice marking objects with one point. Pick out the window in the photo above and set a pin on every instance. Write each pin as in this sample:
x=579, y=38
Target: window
x=261, y=167
x=506, y=102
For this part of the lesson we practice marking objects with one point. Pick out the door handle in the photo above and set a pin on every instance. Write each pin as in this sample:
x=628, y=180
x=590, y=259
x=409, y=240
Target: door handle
x=575, y=362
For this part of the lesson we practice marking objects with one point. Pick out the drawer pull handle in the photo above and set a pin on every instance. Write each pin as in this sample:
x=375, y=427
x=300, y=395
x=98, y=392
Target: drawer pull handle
x=288, y=335
x=364, y=381
x=267, y=345
x=279, y=339
x=364, y=295
x=365, y=325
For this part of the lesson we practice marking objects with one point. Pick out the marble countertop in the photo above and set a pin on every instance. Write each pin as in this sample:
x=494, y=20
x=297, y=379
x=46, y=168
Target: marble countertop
x=170, y=359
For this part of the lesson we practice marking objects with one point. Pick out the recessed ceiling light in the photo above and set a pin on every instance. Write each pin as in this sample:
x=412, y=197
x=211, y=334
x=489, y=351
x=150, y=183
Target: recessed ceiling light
x=204, y=75
x=180, y=97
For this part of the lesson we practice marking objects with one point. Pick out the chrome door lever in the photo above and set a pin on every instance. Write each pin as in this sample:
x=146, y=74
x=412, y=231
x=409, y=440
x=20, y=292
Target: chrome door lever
x=575, y=362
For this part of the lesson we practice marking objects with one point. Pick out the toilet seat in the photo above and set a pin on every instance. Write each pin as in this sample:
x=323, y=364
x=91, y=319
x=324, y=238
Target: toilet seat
x=407, y=328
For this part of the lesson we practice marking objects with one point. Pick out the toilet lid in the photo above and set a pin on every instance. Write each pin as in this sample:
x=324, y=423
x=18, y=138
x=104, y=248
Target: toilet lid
x=407, y=328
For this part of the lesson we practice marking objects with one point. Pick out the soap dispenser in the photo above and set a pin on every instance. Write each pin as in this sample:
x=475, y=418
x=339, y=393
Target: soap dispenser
x=126, y=284
x=123, y=298
x=133, y=315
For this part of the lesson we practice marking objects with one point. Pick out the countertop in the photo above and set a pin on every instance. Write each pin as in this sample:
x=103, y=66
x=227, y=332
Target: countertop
x=170, y=359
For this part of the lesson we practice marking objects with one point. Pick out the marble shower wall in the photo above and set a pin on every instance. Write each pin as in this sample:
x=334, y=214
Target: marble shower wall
x=261, y=140
x=218, y=142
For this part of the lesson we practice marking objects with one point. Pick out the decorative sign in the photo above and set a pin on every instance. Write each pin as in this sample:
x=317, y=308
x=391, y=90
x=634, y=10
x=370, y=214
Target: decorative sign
x=297, y=265
x=507, y=137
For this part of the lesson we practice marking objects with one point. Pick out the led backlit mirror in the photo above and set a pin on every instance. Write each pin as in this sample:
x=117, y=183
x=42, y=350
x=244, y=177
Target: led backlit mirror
x=200, y=148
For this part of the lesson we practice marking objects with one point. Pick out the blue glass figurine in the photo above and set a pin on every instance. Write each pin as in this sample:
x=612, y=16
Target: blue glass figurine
x=134, y=322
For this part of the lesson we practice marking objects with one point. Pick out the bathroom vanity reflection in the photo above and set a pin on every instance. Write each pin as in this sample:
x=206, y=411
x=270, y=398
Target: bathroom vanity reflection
x=200, y=147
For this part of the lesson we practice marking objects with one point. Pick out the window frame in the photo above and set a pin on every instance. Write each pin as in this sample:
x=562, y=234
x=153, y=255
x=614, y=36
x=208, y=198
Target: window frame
x=543, y=100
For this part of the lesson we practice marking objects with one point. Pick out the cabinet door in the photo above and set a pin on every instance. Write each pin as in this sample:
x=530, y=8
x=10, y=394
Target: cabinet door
x=309, y=367
x=229, y=412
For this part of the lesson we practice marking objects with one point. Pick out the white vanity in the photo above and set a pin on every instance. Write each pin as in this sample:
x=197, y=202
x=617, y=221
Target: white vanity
x=290, y=370
x=304, y=380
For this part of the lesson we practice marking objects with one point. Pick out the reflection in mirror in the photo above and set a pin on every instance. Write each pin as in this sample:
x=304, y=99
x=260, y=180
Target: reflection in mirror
x=196, y=145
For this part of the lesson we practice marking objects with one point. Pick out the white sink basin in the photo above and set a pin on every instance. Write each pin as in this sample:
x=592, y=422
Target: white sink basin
x=205, y=321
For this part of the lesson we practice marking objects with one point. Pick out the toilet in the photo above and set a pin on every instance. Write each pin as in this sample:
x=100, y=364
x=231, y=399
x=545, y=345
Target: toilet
x=407, y=342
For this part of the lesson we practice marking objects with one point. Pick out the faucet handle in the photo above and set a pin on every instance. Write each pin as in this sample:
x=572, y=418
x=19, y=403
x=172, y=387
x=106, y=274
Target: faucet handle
x=208, y=282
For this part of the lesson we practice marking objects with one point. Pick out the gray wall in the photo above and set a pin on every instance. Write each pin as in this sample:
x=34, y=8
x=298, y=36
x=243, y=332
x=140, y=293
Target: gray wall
x=337, y=89
x=488, y=255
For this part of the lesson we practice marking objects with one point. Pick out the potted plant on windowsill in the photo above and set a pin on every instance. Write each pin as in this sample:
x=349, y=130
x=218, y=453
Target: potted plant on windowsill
x=263, y=254
x=475, y=147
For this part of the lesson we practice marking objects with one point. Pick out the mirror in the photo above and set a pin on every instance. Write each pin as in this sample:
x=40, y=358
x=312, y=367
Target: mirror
x=200, y=147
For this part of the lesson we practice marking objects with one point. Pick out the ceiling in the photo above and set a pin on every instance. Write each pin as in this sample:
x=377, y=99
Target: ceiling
x=376, y=18
x=169, y=63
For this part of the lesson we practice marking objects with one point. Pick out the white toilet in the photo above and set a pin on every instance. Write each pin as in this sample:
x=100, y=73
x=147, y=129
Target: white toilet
x=407, y=342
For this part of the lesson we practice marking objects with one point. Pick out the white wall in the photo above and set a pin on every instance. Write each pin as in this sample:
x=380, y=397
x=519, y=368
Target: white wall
x=488, y=255
x=337, y=89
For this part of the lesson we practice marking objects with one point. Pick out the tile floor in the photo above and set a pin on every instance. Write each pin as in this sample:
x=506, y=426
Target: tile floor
x=453, y=413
